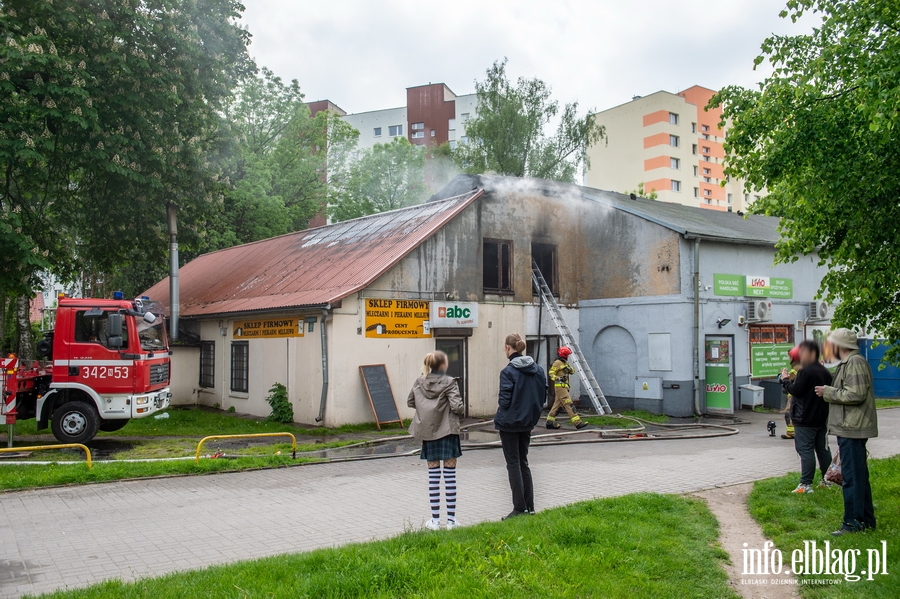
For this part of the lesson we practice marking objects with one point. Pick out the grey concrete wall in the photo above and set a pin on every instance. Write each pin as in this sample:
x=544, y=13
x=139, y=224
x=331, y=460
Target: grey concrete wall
x=615, y=331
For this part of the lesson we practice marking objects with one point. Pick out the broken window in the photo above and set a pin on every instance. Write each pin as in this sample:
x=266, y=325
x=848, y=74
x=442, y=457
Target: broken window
x=497, y=276
x=544, y=255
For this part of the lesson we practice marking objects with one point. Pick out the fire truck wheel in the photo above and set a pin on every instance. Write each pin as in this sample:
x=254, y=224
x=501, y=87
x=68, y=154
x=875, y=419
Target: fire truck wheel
x=75, y=422
x=109, y=426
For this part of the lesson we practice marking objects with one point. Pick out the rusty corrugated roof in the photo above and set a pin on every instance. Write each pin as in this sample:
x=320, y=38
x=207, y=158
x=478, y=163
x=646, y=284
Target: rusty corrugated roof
x=308, y=268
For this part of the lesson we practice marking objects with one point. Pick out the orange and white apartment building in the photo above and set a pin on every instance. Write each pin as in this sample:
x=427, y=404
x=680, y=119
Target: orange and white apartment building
x=671, y=144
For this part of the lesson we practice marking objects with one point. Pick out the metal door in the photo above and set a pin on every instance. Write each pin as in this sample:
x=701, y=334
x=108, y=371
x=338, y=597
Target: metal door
x=719, y=375
x=455, y=348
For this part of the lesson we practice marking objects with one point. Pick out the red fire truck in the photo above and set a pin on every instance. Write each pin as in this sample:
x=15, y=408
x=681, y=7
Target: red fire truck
x=104, y=362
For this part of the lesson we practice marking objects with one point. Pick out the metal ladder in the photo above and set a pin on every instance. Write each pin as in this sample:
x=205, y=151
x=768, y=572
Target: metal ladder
x=580, y=364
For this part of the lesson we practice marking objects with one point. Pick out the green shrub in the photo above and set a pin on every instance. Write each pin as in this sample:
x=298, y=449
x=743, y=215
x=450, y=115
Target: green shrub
x=282, y=411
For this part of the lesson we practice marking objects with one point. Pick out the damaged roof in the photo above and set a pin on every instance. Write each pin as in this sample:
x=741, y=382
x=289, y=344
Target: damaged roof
x=702, y=223
x=309, y=268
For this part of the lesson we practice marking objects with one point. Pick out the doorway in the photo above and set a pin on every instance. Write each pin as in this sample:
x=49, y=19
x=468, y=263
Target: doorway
x=455, y=348
x=719, y=375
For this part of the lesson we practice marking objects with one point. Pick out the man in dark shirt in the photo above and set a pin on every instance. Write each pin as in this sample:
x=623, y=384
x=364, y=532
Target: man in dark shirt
x=809, y=413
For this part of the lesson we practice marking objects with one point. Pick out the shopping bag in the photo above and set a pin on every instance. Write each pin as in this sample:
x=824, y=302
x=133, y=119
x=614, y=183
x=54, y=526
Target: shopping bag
x=833, y=474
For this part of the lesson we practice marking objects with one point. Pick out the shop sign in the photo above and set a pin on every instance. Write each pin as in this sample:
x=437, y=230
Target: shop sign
x=752, y=286
x=767, y=359
x=781, y=288
x=268, y=328
x=397, y=318
x=732, y=285
x=454, y=314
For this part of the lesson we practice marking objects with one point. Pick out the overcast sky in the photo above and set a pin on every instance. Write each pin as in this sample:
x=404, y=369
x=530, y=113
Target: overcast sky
x=362, y=55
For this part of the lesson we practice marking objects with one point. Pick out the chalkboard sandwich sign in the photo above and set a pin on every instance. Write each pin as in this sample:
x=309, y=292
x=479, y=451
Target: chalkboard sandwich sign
x=381, y=396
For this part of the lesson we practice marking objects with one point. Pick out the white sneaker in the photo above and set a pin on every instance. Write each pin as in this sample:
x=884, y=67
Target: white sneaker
x=433, y=524
x=451, y=524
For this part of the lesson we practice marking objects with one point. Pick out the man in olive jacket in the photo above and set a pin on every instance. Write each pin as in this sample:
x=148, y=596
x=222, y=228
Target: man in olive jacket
x=852, y=418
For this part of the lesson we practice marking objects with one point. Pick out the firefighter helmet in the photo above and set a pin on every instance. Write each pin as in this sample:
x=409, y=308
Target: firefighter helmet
x=794, y=354
x=564, y=352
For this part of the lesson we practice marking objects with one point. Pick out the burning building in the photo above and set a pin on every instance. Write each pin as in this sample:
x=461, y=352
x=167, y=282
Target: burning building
x=674, y=307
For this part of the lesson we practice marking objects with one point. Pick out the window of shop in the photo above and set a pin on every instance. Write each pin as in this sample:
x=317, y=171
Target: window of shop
x=208, y=364
x=240, y=366
x=771, y=333
x=497, y=267
x=544, y=255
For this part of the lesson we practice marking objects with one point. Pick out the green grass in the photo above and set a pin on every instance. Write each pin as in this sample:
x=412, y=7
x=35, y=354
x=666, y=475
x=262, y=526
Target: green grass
x=790, y=519
x=887, y=403
x=194, y=422
x=641, y=545
x=622, y=423
x=29, y=477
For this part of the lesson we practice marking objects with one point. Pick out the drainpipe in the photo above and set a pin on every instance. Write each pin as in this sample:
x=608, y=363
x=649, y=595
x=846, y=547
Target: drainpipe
x=174, y=300
x=696, y=279
x=324, y=337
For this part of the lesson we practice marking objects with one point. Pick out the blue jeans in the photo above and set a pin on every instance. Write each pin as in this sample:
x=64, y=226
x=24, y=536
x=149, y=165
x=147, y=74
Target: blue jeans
x=859, y=513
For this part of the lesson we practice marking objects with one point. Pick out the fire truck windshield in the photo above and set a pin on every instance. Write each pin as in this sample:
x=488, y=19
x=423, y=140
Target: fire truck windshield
x=152, y=335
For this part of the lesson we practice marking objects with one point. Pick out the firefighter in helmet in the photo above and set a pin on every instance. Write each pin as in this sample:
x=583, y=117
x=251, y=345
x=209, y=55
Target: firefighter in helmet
x=559, y=374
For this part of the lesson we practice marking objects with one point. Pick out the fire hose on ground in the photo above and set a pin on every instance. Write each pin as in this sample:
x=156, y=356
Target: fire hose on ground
x=568, y=437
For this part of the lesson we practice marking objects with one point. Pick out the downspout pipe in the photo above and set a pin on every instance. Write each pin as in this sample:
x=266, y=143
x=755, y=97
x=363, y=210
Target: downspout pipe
x=324, y=336
x=696, y=279
x=174, y=299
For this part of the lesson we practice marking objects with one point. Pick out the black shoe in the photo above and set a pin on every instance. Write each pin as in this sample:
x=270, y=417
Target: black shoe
x=581, y=425
x=530, y=511
x=553, y=425
x=513, y=514
x=843, y=531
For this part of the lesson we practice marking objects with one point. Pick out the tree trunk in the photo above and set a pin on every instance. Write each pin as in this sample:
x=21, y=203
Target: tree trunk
x=2, y=322
x=25, y=349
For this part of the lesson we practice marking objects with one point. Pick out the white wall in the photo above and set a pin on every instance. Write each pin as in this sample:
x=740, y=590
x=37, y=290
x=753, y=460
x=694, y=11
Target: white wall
x=185, y=375
x=366, y=122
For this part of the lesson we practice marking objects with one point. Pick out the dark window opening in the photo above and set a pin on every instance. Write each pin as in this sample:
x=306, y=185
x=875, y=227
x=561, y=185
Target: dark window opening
x=497, y=276
x=544, y=255
x=240, y=366
x=207, y=364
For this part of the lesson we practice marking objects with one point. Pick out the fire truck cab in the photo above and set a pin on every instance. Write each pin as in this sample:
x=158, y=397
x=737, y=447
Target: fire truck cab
x=105, y=362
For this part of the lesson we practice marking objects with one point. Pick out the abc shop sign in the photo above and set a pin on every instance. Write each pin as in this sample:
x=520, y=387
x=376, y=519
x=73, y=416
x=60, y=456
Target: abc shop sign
x=454, y=314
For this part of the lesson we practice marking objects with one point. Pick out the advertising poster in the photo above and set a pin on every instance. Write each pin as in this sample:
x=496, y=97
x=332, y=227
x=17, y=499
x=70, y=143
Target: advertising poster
x=767, y=359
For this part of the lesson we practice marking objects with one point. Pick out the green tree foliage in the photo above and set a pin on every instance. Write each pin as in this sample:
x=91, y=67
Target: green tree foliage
x=274, y=168
x=387, y=177
x=507, y=135
x=643, y=193
x=108, y=109
x=822, y=134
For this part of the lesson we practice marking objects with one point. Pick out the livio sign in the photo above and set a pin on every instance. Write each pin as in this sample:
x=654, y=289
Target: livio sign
x=454, y=314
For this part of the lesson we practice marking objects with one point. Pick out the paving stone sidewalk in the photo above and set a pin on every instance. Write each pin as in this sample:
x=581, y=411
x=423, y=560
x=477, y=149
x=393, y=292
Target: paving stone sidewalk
x=72, y=537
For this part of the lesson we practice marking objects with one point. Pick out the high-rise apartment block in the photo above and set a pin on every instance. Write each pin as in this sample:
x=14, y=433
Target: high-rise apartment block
x=433, y=115
x=672, y=145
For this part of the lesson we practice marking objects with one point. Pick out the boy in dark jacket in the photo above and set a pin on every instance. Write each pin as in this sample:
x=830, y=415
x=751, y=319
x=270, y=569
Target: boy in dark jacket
x=809, y=414
x=523, y=387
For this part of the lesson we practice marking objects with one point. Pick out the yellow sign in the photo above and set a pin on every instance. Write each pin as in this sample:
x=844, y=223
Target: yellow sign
x=268, y=328
x=397, y=318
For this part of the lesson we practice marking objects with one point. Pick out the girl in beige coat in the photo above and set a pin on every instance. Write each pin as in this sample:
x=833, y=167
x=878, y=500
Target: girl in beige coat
x=435, y=396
